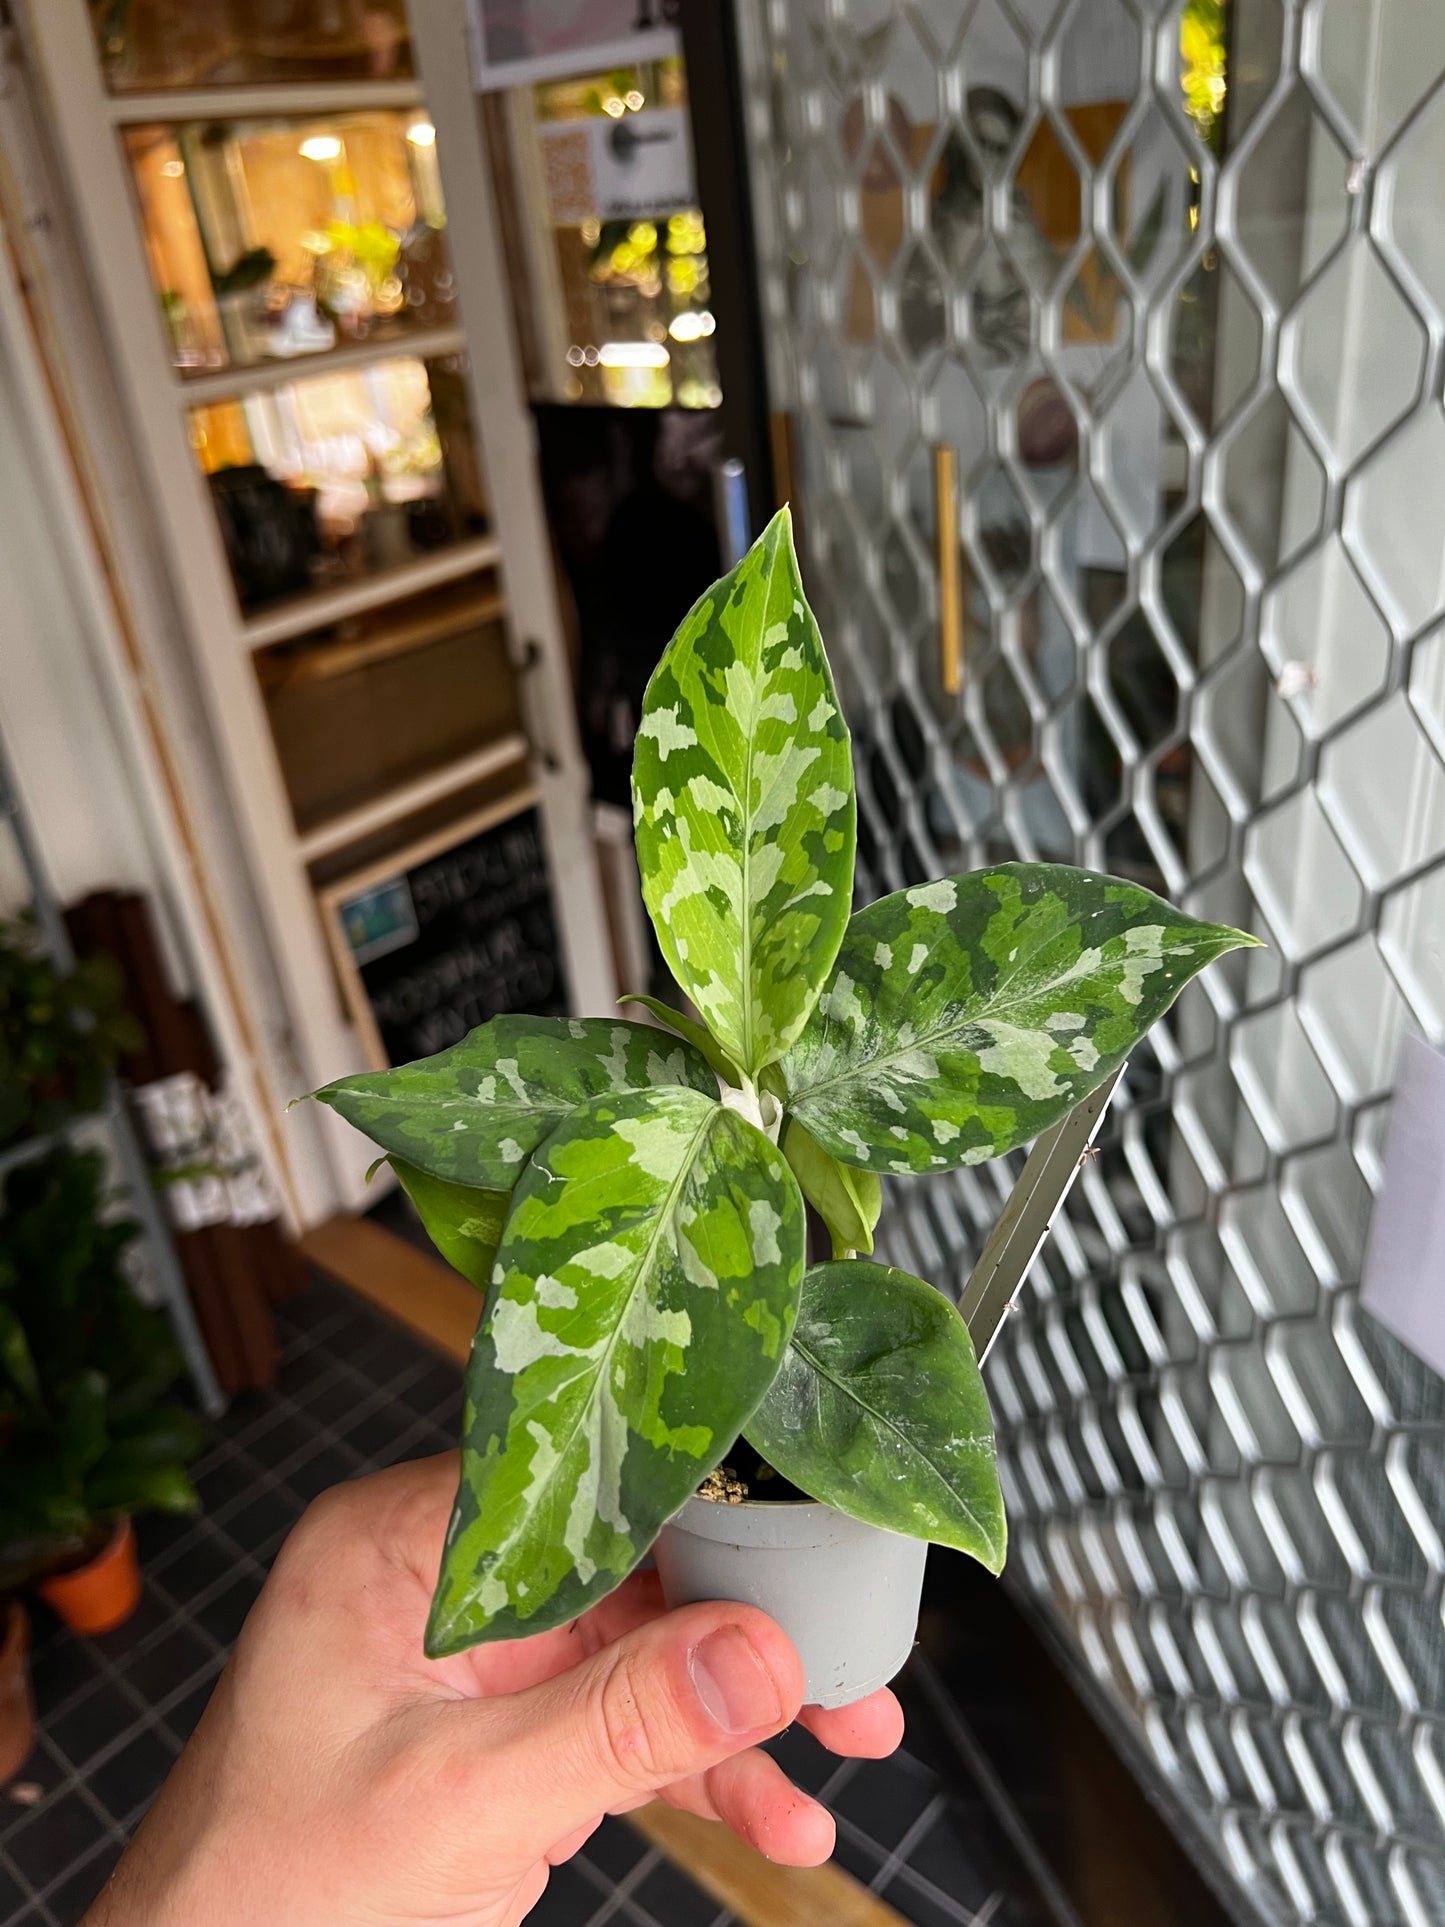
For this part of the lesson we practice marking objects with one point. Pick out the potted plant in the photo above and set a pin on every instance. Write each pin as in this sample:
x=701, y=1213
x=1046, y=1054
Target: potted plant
x=60, y=1034
x=86, y=1437
x=653, y=1343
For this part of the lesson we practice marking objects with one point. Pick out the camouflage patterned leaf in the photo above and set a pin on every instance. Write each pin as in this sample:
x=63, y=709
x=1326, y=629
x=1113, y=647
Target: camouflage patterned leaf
x=742, y=786
x=879, y=1410
x=846, y=1199
x=698, y=1035
x=966, y=1016
x=646, y=1287
x=464, y=1224
x=476, y=1112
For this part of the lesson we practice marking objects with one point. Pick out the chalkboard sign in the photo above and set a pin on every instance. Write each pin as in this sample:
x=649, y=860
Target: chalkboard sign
x=458, y=930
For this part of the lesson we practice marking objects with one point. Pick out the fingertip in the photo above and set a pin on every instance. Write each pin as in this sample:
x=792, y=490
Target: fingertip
x=869, y=1729
x=811, y=1834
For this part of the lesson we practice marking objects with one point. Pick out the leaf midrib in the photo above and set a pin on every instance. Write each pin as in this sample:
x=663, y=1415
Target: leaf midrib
x=604, y=1363
x=887, y=1424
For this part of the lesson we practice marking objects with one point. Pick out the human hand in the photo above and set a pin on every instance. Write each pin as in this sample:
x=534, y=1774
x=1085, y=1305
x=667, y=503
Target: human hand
x=339, y=1776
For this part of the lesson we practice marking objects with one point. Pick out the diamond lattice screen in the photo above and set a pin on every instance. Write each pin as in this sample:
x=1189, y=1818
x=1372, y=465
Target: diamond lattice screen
x=1170, y=282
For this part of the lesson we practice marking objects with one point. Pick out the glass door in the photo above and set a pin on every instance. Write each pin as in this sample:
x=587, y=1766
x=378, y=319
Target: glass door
x=1157, y=292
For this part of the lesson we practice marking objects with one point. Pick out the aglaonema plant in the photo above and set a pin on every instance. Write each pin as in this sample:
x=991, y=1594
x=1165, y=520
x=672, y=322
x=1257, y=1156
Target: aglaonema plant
x=631, y=1200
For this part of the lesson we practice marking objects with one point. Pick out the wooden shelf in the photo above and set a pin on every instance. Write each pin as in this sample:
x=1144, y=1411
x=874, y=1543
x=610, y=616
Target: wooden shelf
x=323, y=606
x=268, y=100
x=338, y=831
x=234, y=384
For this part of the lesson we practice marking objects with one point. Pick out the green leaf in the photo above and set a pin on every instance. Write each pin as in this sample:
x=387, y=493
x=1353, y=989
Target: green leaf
x=742, y=787
x=476, y=1112
x=846, y=1199
x=879, y=1410
x=16, y=1358
x=698, y=1035
x=123, y=1483
x=646, y=1287
x=464, y=1223
x=966, y=1016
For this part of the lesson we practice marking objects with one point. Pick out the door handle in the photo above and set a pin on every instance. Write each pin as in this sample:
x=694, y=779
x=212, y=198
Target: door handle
x=950, y=574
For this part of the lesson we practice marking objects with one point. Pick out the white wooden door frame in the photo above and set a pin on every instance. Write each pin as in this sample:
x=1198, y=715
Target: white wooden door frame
x=313, y=1040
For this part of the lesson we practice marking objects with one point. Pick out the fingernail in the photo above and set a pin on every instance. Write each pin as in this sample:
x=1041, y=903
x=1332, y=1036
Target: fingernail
x=736, y=1689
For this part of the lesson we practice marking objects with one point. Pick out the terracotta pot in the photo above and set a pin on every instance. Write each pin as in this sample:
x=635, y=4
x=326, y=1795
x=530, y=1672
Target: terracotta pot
x=102, y=1594
x=17, y=1709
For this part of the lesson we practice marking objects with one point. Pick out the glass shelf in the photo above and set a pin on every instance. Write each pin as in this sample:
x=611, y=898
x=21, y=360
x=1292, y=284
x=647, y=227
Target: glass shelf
x=154, y=45
x=272, y=240
x=341, y=478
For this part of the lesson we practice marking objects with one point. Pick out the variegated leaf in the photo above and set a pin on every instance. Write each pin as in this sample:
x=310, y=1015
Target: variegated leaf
x=464, y=1224
x=846, y=1199
x=646, y=1287
x=966, y=1016
x=742, y=786
x=879, y=1410
x=476, y=1112
x=698, y=1035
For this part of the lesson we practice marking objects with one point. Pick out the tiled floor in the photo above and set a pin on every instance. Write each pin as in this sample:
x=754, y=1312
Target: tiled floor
x=356, y=1393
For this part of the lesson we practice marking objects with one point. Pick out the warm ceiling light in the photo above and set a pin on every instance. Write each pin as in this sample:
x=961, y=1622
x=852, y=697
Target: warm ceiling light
x=321, y=147
x=615, y=106
x=632, y=354
x=634, y=100
x=421, y=133
x=691, y=326
x=173, y=169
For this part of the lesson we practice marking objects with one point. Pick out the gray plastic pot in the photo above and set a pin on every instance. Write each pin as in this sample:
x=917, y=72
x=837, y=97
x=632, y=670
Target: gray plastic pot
x=846, y=1594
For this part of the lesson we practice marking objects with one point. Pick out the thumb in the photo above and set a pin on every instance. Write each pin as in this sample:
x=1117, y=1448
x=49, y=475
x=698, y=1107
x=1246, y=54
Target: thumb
x=669, y=1699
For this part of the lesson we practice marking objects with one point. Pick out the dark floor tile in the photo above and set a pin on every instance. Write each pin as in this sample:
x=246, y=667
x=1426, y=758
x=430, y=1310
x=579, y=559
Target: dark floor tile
x=436, y=1384
x=325, y=1468
x=615, y=1849
x=44, y=1770
x=184, y=1716
x=224, y=1616
x=61, y=1670
x=858, y=1854
x=334, y=1401
x=11, y=1893
x=54, y=1838
x=920, y=1907
x=197, y=1567
x=290, y=1435
x=309, y=1310
x=571, y=1900
x=377, y=1434
x=244, y=1412
x=957, y=1855
x=672, y=1900
x=144, y=1623
x=177, y=1656
x=807, y=1764
x=157, y=1532
x=132, y=1776
x=72, y=1897
x=885, y=1797
x=93, y=1722
x=229, y=1479
x=258, y=1525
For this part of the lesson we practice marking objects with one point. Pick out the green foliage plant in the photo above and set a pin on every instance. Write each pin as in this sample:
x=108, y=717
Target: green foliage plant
x=632, y=1201
x=87, y=1435
x=61, y=1033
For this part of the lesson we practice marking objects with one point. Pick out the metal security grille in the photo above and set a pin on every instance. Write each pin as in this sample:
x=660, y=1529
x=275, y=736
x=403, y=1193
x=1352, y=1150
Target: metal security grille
x=1169, y=283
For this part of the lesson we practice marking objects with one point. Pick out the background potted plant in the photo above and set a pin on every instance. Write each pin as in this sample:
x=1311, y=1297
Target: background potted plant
x=633, y=1201
x=87, y=1438
x=60, y=1034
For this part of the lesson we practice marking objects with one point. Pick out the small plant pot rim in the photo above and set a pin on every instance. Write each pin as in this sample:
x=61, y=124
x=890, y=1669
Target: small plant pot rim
x=847, y=1594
